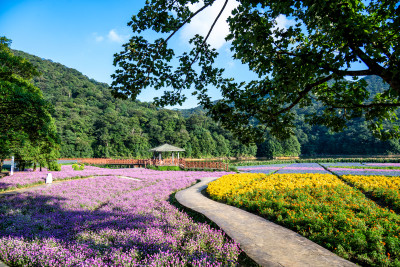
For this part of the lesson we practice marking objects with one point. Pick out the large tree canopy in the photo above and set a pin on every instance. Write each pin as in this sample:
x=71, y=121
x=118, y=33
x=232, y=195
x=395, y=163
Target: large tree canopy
x=24, y=113
x=301, y=65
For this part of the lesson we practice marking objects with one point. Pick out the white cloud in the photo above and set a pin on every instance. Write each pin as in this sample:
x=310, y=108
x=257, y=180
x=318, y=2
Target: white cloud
x=99, y=38
x=231, y=64
x=282, y=22
x=201, y=23
x=113, y=36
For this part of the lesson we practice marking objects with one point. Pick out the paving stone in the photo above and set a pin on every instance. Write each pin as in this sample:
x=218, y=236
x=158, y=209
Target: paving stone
x=265, y=242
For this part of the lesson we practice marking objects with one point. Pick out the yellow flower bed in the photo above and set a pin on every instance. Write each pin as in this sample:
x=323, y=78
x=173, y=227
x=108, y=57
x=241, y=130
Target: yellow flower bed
x=324, y=209
x=222, y=187
x=250, y=182
x=384, y=188
x=370, y=182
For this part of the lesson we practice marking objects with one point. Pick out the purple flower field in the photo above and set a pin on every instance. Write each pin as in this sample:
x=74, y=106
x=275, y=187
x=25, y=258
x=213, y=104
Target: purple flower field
x=303, y=168
x=285, y=168
x=267, y=169
x=344, y=164
x=364, y=171
x=344, y=171
x=21, y=179
x=383, y=164
x=316, y=168
x=108, y=221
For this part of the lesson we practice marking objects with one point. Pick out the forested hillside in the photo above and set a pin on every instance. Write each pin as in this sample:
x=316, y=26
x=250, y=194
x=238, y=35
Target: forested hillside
x=356, y=139
x=92, y=123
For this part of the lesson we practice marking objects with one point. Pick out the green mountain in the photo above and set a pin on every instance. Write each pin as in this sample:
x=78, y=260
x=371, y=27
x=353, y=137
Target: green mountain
x=92, y=123
x=356, y=139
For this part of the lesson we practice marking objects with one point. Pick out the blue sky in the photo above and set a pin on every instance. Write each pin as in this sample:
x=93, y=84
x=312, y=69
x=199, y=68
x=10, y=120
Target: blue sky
x=85, y=34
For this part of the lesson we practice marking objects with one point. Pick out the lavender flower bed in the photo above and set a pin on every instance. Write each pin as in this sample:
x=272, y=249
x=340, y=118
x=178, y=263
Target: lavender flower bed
x=254, y=168
x=296, y=170
x=343, y=171
x=355, y=164
x=303, y=168
x=22, y=179
x=108, y=221
x=267, y=169
x=383, y=164
x=259, y=171
x=283, y=168
x=271, y=166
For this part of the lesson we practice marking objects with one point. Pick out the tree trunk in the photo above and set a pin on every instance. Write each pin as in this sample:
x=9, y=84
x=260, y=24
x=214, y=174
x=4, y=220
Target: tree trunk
x=1, y=164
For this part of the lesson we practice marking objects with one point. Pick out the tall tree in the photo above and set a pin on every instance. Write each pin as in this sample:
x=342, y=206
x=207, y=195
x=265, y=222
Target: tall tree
x=294, y=65
x=24, y=113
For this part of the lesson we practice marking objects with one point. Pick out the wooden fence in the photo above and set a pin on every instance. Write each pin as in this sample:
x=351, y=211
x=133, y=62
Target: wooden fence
x=205, y=165
x=156, y=162
x=101, y=161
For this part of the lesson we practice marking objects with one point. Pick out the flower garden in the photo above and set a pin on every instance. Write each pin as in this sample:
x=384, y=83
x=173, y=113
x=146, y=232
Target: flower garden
x=354, y=216
x=122, y=217
x=118, y=217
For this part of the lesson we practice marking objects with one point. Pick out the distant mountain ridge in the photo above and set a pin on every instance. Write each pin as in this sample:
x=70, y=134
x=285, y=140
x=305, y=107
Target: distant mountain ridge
x=92, y=123
x=375, y=85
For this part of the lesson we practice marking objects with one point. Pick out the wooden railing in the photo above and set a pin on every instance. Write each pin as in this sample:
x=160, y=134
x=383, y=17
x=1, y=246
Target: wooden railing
x=165, y=162
x=114, y=161
x=205, y=165
x=156, y=162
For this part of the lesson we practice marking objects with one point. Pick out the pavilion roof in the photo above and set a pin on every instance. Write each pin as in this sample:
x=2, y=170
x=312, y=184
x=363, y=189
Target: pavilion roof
x=167, y=148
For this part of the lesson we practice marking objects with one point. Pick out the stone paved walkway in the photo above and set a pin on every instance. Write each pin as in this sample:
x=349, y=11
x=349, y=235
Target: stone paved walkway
x=265, y=242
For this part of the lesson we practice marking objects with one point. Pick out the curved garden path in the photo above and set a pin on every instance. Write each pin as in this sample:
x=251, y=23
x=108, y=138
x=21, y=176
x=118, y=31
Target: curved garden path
x=265, y=242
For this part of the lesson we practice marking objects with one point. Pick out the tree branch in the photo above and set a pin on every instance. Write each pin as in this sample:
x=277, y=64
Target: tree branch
x=176, y=30
x=209, y=31
x=369, y=105
x=373, y=66
x=305, y=57
x=351, y=72
x=302, y=94
x=186, y=21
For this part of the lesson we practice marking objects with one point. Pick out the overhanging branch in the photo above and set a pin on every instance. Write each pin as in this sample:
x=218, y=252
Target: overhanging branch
x=209, y=31
x=302, y=94
x=183, y=24
x=371, y=105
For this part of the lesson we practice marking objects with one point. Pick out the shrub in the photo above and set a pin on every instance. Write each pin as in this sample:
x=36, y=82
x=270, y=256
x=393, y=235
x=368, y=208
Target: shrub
x=53, y=166
x=77, y=167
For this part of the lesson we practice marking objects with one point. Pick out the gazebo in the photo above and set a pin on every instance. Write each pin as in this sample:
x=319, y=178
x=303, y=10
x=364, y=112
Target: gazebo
x=167, y=148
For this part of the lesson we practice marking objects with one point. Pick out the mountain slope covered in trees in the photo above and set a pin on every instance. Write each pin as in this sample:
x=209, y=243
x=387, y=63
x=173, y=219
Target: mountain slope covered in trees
x=92, y=123
x=356, y=139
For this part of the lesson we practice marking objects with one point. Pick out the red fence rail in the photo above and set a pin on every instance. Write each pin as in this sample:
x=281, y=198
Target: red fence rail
x=114, y=161
x=156, y=162
x=205, y=165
